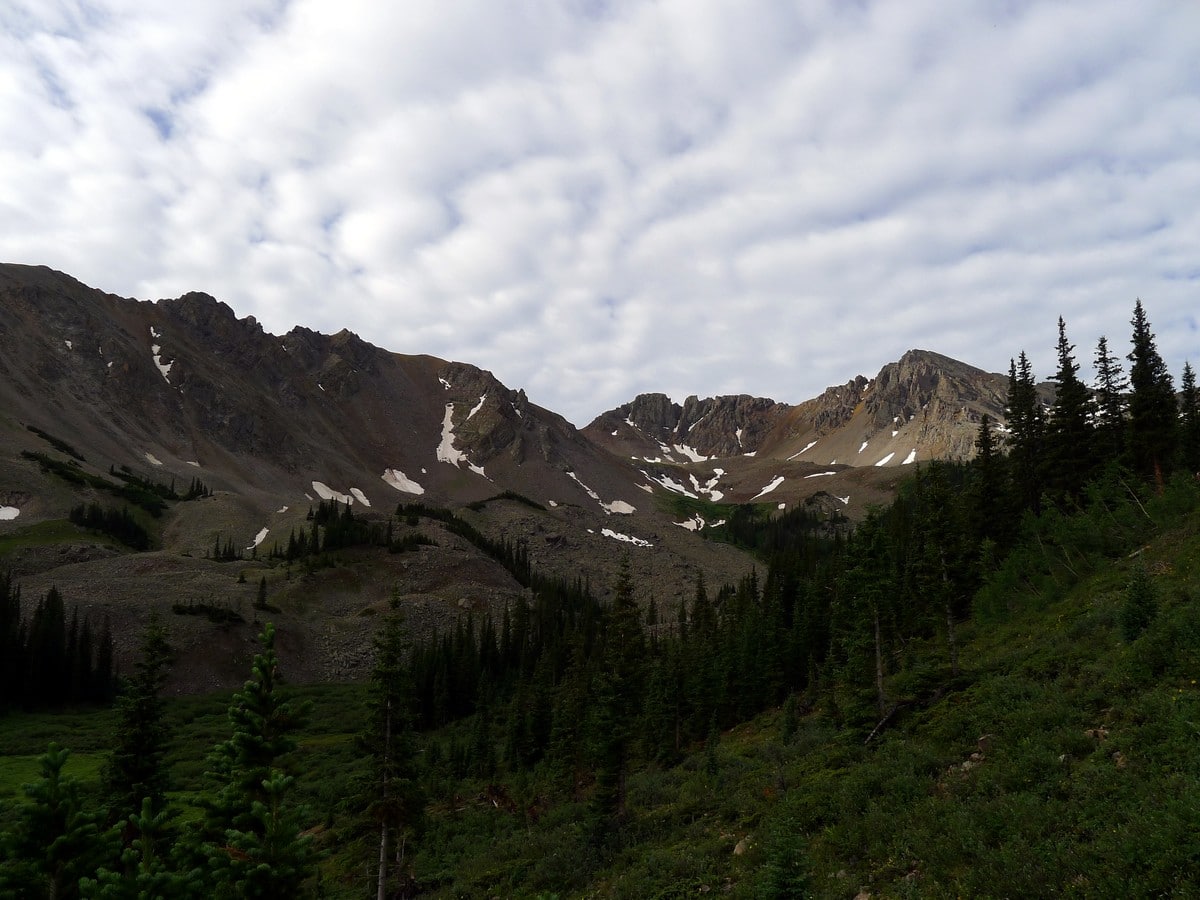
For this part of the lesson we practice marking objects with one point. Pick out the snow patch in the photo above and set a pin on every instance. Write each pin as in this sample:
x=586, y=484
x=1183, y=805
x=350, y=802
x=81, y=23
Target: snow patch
x=647, y=488
x=807, y=447
x=776, y=482
x=152, y=459
x=912, y=457
x=698, y=523
x=360, y=497
x=629, y=422
x=321, y=386
x=627, y=538
x=739, y=433
x=614, y=434
x=751, y=453
x=552, y=503
x=68, y=343
x=619, y=507
x=819, y=474
x=401, y=482
x=445, y=383
x=887, y=459
x=8, y=513
x=477, y=407
x=845, y=500
x=446, y=451
x=670, y=484
x=894, y=433
x=690, y=452
x=325, y=492
x=281, y=509
x=863, y=447
x=782, y=506
x=192, y=462
x=258, y=538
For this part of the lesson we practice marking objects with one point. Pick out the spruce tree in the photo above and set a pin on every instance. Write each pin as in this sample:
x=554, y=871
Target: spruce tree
x=1152, y=408
x=395, y=800
x=135, y=771
x=1110, y=390
x=249, y=835
x=1069, y=430
x=1189, y=424
x=1026, y=431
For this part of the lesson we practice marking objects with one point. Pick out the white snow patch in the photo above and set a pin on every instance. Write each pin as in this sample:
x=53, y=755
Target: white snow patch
x=325, y=492
x=477, y=407
x=68, y=343
x=863, y=447
x=751, y=453
x=670, y=484
x=8, y=513
x=307, y=496
x=360, y=497
x=627, y=538
x=401, y=482
x=782, y=506
x=776, y=482
x=698, y=523
x=620, y=507
x=614, y=434
x=109, y=366
x=153, y=460
x=154, y=332
x=690, y=452
x=819, y=474
x=447, y=452
x=552, y=503
x=321, y=386
x=807, y=447
x=258, y=538
x=163, y=368
x=739, y=436
x=647, y=488
x=424, y=471
x=887, y=459
x=586, y=489
x=894, y=433
x=656, y=459
x=912, y=456
x=629, y=422
x=845, y=500
x=192, y=462
x=445, y=383
x=281, y=509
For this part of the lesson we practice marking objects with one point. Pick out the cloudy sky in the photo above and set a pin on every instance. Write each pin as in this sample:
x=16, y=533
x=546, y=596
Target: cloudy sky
x=597, y=199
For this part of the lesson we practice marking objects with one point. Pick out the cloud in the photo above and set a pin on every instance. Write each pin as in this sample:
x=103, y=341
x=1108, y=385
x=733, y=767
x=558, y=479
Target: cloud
x=596, y=200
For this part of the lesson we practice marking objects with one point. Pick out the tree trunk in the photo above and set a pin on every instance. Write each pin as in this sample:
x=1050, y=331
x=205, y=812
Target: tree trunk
x=383, y=820
x=881, y=697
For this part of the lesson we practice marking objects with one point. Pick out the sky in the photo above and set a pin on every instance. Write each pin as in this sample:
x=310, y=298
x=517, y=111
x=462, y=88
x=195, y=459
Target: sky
x=599, y=199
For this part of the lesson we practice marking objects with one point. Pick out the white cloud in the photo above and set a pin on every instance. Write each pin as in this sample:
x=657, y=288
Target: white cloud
x=694, y=197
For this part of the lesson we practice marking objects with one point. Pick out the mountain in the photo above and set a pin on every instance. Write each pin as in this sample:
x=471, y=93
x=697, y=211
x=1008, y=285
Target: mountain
x=181, y=390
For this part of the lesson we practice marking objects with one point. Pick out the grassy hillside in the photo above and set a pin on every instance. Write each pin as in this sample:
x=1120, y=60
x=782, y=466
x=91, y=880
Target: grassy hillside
x=1065, y=759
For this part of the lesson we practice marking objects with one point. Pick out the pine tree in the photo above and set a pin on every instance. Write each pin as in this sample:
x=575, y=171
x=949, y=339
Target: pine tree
x=1026, y=429
x=395, y=799
x=250, y=838
x=1189, y=424
x=1110, y=389
x=1069, y=430
x=135, y=771
x=1152, y=408
x=56, y=841
x=1140, y=606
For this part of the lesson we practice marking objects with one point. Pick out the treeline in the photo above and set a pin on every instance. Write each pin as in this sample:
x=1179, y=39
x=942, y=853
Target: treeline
x=150, y=495
x=119, y=523
x=46, y=661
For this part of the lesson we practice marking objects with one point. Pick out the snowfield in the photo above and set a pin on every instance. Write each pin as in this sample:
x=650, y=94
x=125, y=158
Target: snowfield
x=627, y=538
x=401, y=482
x=776, y=482
x=8, y=513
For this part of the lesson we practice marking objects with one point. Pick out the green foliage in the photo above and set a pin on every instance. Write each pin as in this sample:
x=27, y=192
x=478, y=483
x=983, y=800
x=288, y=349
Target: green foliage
x=57, y=443
x=1140, y=606
x=216, y=613
x=119, y=523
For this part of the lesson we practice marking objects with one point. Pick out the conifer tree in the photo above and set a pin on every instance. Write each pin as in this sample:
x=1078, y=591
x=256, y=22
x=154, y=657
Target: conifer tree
x=1110, y=389
x=1069, y=430
x=56, y=841
x=1189, y=424
x=1152, y=408
x=135, y=771
x=396, y=801
x=250, y=838
x=1026, y=428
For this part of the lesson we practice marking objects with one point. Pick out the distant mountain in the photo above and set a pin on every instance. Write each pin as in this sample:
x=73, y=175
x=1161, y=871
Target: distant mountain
x=183, y=389
x=925, y=406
